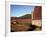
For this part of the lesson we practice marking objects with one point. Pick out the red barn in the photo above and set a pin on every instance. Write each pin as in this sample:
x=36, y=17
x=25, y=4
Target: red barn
x=37, y=16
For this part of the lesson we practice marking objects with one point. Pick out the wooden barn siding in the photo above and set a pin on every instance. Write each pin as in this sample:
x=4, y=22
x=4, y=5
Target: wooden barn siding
x=37, y=14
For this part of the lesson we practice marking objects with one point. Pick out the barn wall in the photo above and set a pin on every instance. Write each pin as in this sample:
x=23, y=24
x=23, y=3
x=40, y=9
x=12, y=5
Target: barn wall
x=37, y=16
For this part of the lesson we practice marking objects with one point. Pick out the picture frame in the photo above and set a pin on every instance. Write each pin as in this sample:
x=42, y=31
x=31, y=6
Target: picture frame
x=8, y=33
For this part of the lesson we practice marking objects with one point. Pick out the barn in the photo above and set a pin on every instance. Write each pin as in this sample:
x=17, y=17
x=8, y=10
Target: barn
x=37, y=16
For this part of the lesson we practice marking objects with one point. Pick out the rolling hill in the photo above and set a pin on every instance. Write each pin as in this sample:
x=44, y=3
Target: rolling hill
x=25, y=16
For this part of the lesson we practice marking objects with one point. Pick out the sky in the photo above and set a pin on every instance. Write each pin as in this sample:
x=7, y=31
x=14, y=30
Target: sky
x=20, y=10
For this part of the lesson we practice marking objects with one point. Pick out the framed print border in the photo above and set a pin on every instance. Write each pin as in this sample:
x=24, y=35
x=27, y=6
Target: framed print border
x=8, y=33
